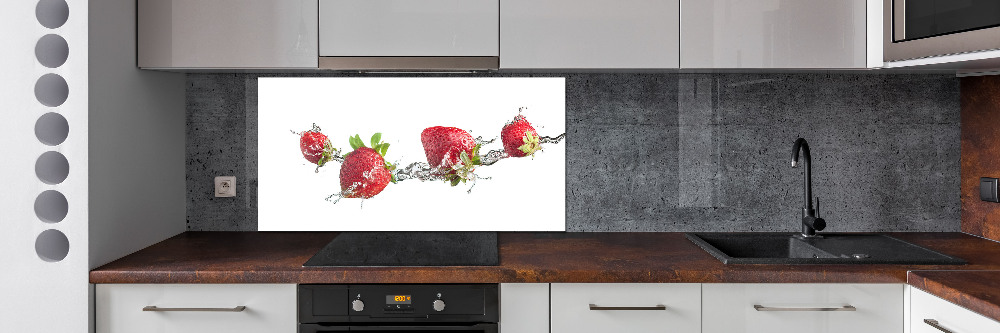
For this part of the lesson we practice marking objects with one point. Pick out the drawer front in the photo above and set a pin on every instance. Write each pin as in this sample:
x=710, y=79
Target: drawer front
x=949, y=316
x=572, y=311
x=269, y=308
x=729, y=308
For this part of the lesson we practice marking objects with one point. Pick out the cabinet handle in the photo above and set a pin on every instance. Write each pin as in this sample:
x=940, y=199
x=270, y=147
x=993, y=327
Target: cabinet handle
x=630, y=308
x=935, y=324
x=759, y=307
x=234, y=309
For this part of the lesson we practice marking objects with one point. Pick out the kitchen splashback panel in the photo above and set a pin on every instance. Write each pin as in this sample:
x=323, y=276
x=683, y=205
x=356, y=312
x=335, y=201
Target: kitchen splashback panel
x=680, y=152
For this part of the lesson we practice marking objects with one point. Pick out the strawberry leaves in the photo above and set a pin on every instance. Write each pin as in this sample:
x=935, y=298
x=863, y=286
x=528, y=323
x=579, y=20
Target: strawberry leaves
x=462, y=171
x=378, y=146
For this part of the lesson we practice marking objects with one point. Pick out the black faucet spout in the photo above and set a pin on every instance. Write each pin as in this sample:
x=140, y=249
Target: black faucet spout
x=810, y=222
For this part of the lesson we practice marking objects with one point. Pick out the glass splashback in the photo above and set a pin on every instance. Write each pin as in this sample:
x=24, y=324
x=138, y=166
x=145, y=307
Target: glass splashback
x=411, y=154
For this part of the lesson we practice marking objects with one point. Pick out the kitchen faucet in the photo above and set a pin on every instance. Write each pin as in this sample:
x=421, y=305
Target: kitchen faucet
x=810, y=222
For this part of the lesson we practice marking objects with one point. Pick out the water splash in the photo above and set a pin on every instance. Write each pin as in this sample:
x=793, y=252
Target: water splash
x=552, y=140
x=493, y=157
x=480, y=141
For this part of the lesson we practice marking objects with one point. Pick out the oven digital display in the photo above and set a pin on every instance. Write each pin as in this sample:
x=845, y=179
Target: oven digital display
x=397, y=299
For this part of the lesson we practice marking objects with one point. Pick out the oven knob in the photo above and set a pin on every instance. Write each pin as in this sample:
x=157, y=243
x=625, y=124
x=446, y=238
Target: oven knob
x=438, y=305
x=358, y=305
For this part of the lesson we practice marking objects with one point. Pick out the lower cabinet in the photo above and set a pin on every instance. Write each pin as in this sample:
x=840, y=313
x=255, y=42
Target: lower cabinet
x=930, y=314
x=524, y=308
x=196, y=308
x=802, y=308
x=626, y=307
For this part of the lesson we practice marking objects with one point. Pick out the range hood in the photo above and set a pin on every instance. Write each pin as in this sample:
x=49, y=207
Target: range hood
x=409, y=35
x=410, y=64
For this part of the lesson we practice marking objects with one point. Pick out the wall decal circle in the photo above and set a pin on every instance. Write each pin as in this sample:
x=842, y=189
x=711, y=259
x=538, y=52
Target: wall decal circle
x=52, y=167
x=51, y=51
x=51, y=90
x=51, y=206
x=52, y=13
x=52, y=129
x=52, y=245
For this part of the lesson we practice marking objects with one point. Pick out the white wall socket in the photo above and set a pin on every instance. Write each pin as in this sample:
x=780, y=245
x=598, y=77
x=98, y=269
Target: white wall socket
x=225, y=186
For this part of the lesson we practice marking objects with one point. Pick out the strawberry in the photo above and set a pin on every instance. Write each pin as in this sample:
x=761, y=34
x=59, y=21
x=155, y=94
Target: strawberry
x=365, y=173
x=519, y=138
x=444, y=145
x=451, y=149
x=313, y=144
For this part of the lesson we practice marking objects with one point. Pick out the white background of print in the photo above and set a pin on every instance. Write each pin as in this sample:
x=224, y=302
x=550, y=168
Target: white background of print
x=523, y=194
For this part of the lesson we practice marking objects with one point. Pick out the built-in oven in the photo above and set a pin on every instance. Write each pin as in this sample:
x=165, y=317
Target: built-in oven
x=465, y=308
x=927, y=28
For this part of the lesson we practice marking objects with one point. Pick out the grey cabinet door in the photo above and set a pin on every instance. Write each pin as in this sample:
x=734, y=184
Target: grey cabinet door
x=589, y=34
x=774, y=34
x=240, y=34
x=409, y=28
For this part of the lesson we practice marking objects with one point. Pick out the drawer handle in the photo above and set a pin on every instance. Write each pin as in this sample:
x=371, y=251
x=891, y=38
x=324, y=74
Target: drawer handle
x=935, y=324
x=234, y=309
x=759, y=307
x=629, y=308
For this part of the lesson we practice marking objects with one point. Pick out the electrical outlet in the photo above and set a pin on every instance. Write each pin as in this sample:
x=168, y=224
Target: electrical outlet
x=225, y=186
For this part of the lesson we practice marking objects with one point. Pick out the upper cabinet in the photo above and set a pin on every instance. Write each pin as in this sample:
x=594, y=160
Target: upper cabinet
x=777, y=34
x=509, y=34
x=416, y=28
x=409, y=34
x=222, y=34
x=589, y=34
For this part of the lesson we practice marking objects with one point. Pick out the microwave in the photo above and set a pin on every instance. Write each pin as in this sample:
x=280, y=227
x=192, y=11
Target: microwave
x=915, y=29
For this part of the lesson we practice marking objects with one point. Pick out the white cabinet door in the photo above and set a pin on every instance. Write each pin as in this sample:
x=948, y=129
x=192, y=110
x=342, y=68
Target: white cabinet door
x=773, y=34
x=951, y=317
x=626, y=307
x=780, y=308
x=409, y=28
x=524, y=308
x=227, y=34
x=589, y=34
x=269, y=308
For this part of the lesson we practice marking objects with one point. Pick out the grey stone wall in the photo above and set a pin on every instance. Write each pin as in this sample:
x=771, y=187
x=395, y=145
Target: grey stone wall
x=682, y=152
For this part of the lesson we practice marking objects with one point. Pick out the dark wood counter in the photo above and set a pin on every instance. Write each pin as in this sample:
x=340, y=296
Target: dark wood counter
x=277, y=257
x=978, y=291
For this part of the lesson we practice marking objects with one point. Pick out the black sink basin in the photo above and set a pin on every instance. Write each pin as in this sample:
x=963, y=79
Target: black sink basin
x=786, y=248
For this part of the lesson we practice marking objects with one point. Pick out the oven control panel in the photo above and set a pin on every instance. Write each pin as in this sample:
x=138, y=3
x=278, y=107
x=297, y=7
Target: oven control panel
x=398, y=303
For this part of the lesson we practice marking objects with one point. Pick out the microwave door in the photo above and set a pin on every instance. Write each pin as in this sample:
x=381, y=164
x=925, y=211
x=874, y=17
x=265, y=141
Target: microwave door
x=916, y=19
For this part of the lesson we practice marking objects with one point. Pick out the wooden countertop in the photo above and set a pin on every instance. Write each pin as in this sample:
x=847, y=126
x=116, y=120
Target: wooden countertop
x=277, y=257
x=978, y=291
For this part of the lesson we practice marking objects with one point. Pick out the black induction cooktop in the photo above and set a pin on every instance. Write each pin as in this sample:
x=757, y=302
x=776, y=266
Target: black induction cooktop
x=409, y=249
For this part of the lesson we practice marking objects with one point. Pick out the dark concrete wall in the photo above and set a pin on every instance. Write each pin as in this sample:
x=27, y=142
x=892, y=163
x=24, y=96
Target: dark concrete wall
x=683, y=152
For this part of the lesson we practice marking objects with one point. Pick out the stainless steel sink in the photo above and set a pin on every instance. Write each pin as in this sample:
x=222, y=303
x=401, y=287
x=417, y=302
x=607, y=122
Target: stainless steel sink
x=788, y=248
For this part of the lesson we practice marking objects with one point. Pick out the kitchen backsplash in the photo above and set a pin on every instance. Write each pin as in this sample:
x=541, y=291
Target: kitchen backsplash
x=681, y=152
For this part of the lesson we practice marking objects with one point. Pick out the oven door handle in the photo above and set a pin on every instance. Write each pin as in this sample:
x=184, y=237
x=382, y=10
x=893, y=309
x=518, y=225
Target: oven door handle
x=418, y=327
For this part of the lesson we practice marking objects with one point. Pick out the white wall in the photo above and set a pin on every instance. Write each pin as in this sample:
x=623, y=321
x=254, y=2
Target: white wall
x=137, y=185
x=35, y=294
x=125, y=126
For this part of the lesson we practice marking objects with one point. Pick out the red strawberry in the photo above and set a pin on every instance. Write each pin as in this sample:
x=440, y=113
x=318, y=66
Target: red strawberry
x=313, y=145
x=365, y=173
x=444, y=145
x=452, y=149
x=519, y=138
